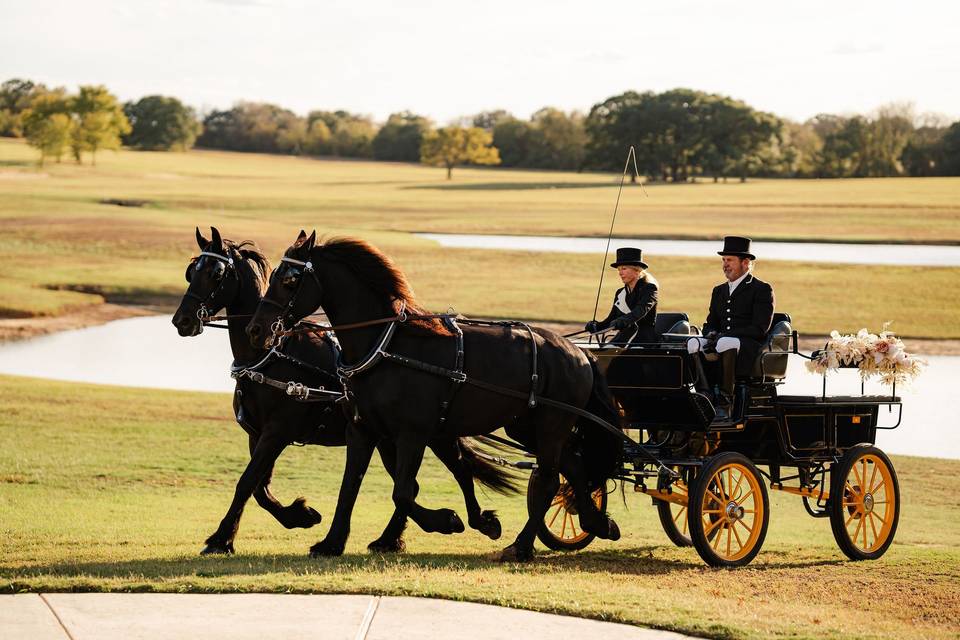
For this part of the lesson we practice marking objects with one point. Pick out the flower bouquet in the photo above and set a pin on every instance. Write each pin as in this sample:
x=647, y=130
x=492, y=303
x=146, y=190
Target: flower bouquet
x=883, y=356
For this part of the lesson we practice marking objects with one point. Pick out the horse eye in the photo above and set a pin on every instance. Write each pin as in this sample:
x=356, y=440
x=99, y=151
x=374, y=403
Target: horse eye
x=290, y=278
x=219, y=270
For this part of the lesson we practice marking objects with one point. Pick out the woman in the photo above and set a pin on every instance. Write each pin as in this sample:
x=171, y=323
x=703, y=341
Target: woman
x=634, y=311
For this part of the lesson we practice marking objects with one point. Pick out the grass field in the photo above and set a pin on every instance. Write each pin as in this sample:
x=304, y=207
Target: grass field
x=105, y=488
x=63, y=249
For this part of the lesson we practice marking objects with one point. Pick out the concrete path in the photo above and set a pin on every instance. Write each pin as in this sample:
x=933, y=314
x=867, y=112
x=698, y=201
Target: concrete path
x=148, y=616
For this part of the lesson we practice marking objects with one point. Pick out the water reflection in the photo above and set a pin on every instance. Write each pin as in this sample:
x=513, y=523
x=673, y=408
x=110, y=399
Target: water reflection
x=891, y=254
x=147, y=352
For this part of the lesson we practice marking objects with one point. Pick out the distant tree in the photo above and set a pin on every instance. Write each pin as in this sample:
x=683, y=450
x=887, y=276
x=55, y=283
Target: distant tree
x=351, y=135
x=47, y=124
x=513, y=139
x=254, y=126
x=161, y=123
x=400, y=138
x=15, y=98
x=951, y=151
x=453, y=146
x=923, y=155
x=559, y=140
x=488, y=120
x=100, y=121
x=317, y=140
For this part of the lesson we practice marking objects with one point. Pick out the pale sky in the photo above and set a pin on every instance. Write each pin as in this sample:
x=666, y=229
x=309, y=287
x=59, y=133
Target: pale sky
x=450, y=59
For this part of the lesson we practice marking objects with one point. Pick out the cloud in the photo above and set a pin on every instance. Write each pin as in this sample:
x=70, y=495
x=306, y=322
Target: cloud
x=850, y=49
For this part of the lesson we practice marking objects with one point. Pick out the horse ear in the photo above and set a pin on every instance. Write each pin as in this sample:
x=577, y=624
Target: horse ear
x=216, y=240
x=201, y=241
x=302, y=236
x=312, y=240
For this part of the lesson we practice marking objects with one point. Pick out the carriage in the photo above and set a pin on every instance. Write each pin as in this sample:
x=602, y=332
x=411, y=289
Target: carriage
x=704, y=473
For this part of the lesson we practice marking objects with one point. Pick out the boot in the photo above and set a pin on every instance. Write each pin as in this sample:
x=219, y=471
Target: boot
x=728, y=379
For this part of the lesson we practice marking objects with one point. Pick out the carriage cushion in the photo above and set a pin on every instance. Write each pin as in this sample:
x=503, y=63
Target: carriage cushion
x=672, y=322
x=778, y=340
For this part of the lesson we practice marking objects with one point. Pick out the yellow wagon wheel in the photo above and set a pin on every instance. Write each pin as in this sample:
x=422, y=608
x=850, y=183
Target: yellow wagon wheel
x=728, y=511
x=864, y=503
x=673, y=515
x=560, y=529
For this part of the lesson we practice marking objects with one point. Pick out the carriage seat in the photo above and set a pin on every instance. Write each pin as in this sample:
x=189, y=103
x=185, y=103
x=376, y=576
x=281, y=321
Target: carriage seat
x=774, y=367
x=673, y=322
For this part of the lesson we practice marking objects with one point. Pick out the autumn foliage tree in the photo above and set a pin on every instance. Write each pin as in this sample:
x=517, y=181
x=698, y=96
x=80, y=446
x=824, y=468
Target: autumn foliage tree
x=454, y=146
x=99, y=122
x=48, y=125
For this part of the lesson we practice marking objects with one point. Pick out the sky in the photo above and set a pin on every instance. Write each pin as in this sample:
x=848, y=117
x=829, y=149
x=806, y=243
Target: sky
x=451, y=59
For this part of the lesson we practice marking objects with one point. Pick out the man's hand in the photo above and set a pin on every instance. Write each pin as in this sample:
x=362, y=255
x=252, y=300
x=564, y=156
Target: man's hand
x=712, y=336
x=592, y=326
x=622, y=322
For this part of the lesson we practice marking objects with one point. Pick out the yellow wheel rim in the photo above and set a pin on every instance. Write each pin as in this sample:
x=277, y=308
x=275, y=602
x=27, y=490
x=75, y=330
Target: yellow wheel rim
x=732, y=511
x=869, y=503
x=561, y=518
x=679, y=511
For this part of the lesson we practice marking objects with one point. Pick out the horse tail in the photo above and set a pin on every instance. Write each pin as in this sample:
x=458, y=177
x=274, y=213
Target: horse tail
x=601, y=450
x=488, y=473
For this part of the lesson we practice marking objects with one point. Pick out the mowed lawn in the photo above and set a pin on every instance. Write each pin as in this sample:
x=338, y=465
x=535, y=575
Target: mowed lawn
x=62, y=249
x=105, y=488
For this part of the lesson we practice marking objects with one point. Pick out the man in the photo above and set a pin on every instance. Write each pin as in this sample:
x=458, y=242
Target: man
x=634, y=311
x=741, y=311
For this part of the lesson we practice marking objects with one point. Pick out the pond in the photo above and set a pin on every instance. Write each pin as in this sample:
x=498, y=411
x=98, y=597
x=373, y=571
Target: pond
x=849, y=253
x=148, y=352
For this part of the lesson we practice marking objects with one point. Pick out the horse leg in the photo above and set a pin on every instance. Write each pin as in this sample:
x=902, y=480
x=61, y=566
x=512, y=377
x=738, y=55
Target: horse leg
x=448, y=452
x=391, y=540
x=592, y=520
x=265, y=453
x=552, y=432
x=360, y=445
x=295, y=515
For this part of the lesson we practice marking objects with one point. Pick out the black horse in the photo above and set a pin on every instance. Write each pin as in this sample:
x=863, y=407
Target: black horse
x=354, y=283
x=232, y=276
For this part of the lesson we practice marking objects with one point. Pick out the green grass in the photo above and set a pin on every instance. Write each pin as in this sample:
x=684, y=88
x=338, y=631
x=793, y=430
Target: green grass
x=105, y=488
x=62, y=249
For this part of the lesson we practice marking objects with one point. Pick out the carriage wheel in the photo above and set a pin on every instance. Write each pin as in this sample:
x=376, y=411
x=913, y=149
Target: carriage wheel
x=864, y=503
x=560, y=529
x=728, y=511
x=673, y=517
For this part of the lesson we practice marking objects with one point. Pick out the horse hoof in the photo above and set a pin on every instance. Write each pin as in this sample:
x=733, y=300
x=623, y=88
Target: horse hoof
x=217, y=548
x=513, y=553
x=325, y=550
x=490, y=525
x=613, y=532
x=301, y=516
x=387, y=546
x=456, y=524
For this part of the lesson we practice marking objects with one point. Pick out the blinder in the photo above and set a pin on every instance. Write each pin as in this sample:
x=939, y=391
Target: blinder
x=224, y=266
x=291, y=276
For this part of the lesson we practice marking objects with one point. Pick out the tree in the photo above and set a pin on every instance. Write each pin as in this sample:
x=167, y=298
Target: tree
x=512, y=138
x=100, y=121
x=488, y=120
x=400, y=138
x=47, y=124
x=160, y=123
x=951, y=151
x=559, y=140
x=452, y=146
x=351, y=135
x=15, y=98
x=254, y=126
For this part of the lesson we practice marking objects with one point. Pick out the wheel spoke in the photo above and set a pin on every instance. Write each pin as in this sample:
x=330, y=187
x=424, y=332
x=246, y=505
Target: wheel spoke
x=716, y=538
x=737, y=534
x=744, y=498
x=876, y=536
x=719, y=501
x=749, y=529
x=684, y=524
x=712, y=526
x=563, y=531
x=554, y=518
x=573, y=527
x=856, y=531
x=739, y=482
x=728, y=541
x=865, y=546
x=873, y=476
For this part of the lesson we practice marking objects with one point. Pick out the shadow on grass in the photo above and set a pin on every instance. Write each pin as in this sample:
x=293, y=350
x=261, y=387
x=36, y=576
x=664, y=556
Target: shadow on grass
x=17, y=163
x=513, y=186
x=636, y=561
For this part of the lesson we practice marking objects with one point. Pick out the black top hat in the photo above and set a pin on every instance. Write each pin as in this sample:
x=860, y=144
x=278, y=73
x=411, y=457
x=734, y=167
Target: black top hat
x=629, y=256
x=736, y=246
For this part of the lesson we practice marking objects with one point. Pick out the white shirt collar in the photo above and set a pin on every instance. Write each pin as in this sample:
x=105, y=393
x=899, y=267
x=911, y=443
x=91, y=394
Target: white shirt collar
x=733, y=285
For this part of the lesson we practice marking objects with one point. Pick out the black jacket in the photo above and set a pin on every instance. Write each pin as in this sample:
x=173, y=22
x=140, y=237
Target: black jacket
x=643, y=308
x=746, y=314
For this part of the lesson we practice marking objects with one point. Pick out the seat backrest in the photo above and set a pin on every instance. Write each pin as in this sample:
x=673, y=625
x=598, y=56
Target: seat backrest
x=672, y=322
x=774, y=367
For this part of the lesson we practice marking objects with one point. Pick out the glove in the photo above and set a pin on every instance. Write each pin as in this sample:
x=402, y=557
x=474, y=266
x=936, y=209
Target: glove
x=622, y=322
x=593, y=326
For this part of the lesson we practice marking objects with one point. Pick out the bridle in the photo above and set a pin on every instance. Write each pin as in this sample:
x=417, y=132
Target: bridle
x=203, y=313
x=286, y=310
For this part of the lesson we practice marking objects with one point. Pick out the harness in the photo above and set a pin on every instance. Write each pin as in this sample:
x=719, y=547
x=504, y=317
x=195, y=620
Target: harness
x=203, y=313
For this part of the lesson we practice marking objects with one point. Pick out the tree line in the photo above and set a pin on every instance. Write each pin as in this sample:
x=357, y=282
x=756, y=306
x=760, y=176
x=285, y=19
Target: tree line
x=680, y=135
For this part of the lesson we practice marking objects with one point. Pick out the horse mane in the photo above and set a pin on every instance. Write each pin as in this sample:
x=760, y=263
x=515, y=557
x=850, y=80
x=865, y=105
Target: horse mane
x=376, y=270
x=254, y=257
